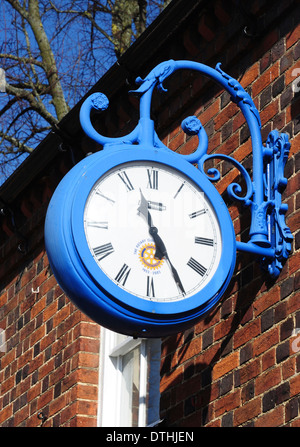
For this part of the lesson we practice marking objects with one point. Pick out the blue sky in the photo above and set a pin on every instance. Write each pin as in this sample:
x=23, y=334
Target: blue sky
x=79, y=69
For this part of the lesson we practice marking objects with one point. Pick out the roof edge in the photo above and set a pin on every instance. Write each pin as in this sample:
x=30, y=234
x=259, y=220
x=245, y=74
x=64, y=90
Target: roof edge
x=158, y=32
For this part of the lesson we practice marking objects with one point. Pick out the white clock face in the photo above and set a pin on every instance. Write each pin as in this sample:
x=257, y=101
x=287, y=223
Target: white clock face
x=152, y=231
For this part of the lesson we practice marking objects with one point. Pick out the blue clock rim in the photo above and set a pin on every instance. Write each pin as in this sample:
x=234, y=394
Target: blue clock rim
x=98, y=165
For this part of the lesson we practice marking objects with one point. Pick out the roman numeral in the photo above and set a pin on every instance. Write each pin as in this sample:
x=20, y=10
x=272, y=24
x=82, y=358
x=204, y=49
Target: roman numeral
x=123, y=274
x=150, y=287
x=103, y=250
x=204, y=241
x=124, y=177
x=156, y=206
x=152, y=179
x=197, y=213
x=103, y=225
x=181, y=186
x=195, y=265
x=104, y=197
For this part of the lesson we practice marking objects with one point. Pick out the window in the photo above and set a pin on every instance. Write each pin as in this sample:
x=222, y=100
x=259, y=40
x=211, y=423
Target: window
x=129, y=380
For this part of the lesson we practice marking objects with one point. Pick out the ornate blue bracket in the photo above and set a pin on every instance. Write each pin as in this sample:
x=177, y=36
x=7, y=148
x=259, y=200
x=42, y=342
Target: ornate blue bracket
x=269, y=236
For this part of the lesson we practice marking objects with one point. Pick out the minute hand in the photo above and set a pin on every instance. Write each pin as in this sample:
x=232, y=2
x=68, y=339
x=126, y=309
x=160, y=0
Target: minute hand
x=175, y=274
x=160, y=246
x=161, y=250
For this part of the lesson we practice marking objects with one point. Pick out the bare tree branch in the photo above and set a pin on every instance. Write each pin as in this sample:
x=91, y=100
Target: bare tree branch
x=47, y=55
x=23, y=60
x=36, y=105
x=53, y=52
x=16, y=5
x=22, y=147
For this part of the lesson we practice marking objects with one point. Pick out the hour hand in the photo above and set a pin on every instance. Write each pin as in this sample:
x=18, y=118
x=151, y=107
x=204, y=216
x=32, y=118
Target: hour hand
x=143, y=209
x=160, y=251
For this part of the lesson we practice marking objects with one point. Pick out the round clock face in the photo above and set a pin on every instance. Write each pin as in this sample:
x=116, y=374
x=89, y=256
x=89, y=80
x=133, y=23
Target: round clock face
x=152, y=231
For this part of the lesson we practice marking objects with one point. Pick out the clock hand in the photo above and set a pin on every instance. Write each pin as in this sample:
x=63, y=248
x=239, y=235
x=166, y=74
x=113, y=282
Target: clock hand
x=143, y=210
x=175, y=274
x=161, y=250
x=145, y=205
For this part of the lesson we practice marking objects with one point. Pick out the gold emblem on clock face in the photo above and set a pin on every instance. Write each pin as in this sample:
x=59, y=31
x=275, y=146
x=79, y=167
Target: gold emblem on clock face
x=147, y=257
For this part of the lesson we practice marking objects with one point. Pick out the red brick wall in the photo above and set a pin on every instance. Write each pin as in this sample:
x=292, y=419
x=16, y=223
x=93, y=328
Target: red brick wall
x=237, y=366
x=50, y=364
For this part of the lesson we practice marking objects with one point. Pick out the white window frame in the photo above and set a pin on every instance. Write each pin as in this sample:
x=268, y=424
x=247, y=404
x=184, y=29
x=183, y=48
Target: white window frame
x=110, y=378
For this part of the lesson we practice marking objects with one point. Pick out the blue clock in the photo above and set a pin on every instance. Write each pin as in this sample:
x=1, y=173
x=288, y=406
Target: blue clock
x=140, y=240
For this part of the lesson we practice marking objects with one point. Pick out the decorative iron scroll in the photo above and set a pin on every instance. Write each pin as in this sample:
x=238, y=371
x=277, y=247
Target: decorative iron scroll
x=269, y=236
